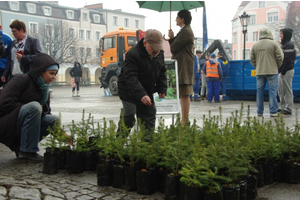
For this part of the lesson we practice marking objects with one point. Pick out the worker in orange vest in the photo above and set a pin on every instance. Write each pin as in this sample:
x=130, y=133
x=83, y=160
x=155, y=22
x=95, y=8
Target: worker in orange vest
x=213, y=71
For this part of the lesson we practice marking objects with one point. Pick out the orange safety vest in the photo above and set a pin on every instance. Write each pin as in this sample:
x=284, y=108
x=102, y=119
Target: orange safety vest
x=212, y=70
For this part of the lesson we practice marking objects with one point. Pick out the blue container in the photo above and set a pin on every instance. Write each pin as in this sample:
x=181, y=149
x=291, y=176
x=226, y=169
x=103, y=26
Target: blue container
x=241, y=81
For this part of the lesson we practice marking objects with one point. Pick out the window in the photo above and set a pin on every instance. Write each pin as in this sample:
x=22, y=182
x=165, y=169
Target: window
x=88, y=35
x=14, y=5
x=234, y=38
x=262, y=4
x=72, y=51
x=255, y=36
x=81, y=51
x=247, y=55
x=84, y=16
x=98, y=53
x=70, y=14
x=272, y=16
x=81, y=34
x=137, y=24
x=234, y=54
x=126, y=22
x=115, y=21
x=49, y=30
x=131, y=41
x=235, y=22
x=31, y=7
x=47, y=11
x=71, y=32
x=88, y=52
x=33, y=28
x=96, y=18
x=97, y=35
x=252, y=19
x=108, y=43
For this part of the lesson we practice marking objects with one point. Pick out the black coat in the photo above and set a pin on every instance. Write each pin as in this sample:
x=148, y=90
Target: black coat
x=31, y=49
x=19, y=91
x=288, y=51
x=76, y=71
x=141, y=75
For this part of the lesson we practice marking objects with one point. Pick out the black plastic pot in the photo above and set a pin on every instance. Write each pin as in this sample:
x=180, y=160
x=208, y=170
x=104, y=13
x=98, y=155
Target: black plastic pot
x=231, y=192
x=118, y=177
x=50, y=165
x=74, y=162
x=243, y=190
x=260, y=176
x=194, y=193
x=291, y=172
x=161, y=180
x=214, y=196
x=251, y=187
x=104, y=175
x=146, y=181
x=172, y=190
x=90, y=160
x=277, y=175
x=130, y=178
x=61, y=157
x=268, y=173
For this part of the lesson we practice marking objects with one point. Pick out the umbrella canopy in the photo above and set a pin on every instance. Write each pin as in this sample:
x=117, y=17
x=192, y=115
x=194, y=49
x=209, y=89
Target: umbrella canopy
x=162, y=6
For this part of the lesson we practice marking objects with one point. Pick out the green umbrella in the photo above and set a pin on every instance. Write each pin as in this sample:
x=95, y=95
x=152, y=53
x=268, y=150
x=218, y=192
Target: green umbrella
x=162, y=6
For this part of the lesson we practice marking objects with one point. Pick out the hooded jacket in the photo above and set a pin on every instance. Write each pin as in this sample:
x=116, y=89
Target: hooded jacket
x=19, y=91
x=224, y=65
x=76, y=71
x=266, y=55
x=141, y=75
x=288, y=51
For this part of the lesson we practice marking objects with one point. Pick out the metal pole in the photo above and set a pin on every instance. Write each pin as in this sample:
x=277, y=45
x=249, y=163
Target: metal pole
x=244, y=31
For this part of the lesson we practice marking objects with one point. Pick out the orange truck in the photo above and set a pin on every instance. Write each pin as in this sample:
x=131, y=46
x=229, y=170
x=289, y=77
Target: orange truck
x=113, y=48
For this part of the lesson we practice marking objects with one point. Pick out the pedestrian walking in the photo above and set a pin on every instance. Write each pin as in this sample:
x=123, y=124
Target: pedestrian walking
x=266, y=58
x=105, y=87
x=224, y=65
x=76, y=73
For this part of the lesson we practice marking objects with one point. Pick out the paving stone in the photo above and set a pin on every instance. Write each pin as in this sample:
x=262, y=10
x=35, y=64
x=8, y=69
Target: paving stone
x=47, y=191
x=71, y=195
x=2, y=191
x=24, y=193
x=52, y=198
x=84, y=197
x=2, y=198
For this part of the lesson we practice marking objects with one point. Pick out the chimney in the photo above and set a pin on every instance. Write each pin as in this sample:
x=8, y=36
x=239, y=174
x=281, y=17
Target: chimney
x=98, y=6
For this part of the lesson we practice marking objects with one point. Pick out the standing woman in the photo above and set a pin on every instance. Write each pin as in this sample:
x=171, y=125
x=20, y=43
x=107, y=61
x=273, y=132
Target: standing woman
x=25, y=112
x=182, y=50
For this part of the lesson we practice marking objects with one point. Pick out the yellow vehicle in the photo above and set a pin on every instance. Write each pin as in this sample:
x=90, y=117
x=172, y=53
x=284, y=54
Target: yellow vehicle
x=113, y=47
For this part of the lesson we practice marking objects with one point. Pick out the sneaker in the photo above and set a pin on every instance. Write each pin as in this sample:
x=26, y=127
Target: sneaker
x=28, y=156
x=259, y=115
x=279, y=110
x=274, y=115
x=208, y=101
x=217, y=101
x=285, y=112
x=197, y=99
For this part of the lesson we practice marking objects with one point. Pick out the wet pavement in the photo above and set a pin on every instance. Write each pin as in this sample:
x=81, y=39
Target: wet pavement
x=23, y=180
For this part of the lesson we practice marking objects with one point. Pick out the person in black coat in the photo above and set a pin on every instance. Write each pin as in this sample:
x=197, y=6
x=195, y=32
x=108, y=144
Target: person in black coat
x=76, y=72
x=286, y=72
x=143, y=73
x=25, y=112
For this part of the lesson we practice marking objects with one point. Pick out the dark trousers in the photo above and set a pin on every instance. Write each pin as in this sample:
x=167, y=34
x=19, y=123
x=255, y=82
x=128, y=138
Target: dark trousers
x=213, y=89
x=147, y=115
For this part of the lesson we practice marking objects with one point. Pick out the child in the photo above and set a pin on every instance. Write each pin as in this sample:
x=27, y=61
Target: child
x=105, y=87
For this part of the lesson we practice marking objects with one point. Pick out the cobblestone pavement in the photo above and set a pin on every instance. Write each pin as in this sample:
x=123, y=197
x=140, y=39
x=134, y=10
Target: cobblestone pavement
x=23, y=180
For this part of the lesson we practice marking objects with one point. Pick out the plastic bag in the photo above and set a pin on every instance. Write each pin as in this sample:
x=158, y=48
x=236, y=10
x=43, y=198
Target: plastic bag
x=73, y=83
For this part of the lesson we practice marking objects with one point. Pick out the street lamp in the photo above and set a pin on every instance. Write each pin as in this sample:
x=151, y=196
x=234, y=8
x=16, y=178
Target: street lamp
x=244, y=21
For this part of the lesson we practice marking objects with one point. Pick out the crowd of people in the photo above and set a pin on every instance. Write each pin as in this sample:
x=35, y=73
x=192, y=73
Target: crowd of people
x=27, y=73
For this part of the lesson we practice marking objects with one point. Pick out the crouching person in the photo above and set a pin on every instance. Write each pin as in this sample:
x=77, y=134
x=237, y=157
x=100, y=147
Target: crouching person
x=25, y=112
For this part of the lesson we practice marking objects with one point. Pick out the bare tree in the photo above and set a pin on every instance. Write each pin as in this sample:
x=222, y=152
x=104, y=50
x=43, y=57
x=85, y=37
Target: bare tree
x=293, y=21
x=57, y=40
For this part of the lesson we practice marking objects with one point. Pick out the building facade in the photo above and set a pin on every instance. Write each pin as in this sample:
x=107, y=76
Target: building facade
x=69, y=34
x=269, y=14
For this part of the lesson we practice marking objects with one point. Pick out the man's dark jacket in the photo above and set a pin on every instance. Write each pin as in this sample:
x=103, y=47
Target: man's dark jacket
x=19, y=91
x=76, y=71
x=288, y=51
x=31, y=49
x=141, y=75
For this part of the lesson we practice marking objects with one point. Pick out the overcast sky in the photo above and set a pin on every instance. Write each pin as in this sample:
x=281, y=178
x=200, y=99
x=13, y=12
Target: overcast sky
x=219, y=15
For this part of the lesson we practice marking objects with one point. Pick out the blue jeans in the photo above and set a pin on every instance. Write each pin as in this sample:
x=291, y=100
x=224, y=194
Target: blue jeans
x=196, y=86
x=33, y=126
x=223, y=86
x=213, y=89
x=261, y=81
